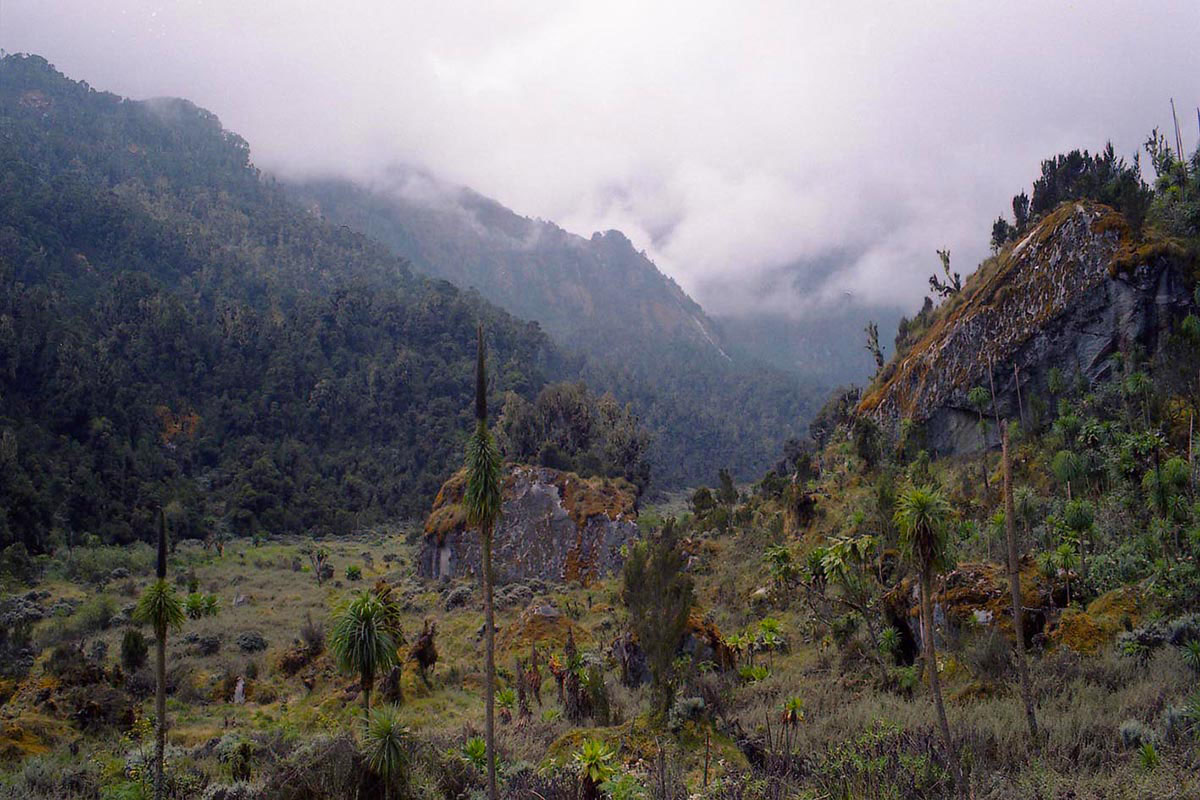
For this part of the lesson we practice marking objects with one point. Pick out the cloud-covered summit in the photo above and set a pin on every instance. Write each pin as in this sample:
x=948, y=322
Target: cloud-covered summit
x=766, y=155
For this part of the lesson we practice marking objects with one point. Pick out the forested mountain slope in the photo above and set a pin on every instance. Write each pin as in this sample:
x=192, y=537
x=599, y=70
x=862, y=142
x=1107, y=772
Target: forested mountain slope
x=172, y=327
x=643, y=337
x=598, y=295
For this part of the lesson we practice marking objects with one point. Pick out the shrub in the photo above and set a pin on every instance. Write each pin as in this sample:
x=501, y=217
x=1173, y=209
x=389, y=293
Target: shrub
x=989, y=657
x=96, y=564
x=474, y=752
x=313, y=635
x=685, y=709
x=17, y=565
x=1135, y=734
x=458, y=596
x=94, y=615
x=251, y=642
x=624, y=787
x=526, y=783
x=658, y=594
x=325, y=767
x=353, y=573
x=134, y=650
x=1148, y=756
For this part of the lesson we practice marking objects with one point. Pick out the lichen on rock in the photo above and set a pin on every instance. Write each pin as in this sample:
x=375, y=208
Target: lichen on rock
x=1075, y=290
x=554, y=525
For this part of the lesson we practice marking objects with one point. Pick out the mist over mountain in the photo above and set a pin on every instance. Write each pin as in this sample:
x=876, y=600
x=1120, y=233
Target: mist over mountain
x=644, y=338
x=622, y=401
x=597, y=294
x=174, y=329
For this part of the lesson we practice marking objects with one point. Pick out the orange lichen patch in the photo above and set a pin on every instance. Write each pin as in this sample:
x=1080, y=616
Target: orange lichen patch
x=1078, y=631
x=30, y=735
x=1106, y=616
x=448, y=514
x=577, y=566
x=176, y=426
x=974, y=594
x=1119, y=609
x=1000, y=308
x=707, y=632
x=539, y=624
x=37, y=99
x=1137, y=254
x=16, y=743
x=584, y=498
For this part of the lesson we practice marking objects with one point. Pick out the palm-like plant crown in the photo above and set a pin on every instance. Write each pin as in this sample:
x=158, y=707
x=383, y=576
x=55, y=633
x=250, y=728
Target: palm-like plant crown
x=921, y=515
x=482, y=496
x=159, y=606
x=362, y=639
x=793, y=711
x=386, y=741
x=595, y=760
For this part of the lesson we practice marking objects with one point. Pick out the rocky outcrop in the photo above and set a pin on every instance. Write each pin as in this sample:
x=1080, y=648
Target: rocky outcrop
x=554, y=525
x=701, y=641
x=1074, y=291
x=974, y=596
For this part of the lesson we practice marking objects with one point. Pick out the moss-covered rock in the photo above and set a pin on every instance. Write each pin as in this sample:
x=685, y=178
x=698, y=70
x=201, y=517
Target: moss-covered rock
x=553, y=526
x=1068, y=295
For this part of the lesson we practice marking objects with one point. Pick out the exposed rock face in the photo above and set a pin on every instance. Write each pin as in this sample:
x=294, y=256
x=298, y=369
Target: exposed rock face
x=554, y=526
x=974, y=596
x=701, y=640
x=1069, y=295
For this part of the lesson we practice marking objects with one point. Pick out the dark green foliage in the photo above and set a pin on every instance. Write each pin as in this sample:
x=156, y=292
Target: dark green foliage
x=363, y=641
x=727, y=493
x=702, y=501
x=1020, y=207
x=1103, y=177
x=658, y=596
x=868, y=440
x=172, y=326
x=1176, y=206
x=837, y=411
x=638, y=335
x=569, y=428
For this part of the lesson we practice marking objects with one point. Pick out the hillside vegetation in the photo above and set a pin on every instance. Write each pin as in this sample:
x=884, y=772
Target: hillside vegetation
x=643, y=338
x=174, y=331
x=868, y=619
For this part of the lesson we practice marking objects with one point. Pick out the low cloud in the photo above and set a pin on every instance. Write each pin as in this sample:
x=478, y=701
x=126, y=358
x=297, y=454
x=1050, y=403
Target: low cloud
x=768, y=156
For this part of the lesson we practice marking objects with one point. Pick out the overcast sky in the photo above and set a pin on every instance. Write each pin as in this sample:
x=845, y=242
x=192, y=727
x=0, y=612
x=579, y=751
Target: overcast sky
x=766, y=155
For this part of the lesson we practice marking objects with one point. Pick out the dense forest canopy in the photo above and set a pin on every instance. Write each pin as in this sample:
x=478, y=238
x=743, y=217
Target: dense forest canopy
x=172, y=327
x=567, y=427
x=706, y=400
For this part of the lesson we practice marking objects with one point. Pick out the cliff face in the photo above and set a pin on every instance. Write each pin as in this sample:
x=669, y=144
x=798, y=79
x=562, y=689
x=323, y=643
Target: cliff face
x=554, y=526
x=1070, y=294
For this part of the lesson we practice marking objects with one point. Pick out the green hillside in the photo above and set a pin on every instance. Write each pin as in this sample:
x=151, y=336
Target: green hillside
x=641, y=335
x=172, y=327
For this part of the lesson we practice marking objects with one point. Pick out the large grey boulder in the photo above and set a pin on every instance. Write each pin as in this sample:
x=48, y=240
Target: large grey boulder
x=554, y=526
x=1072, y=293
